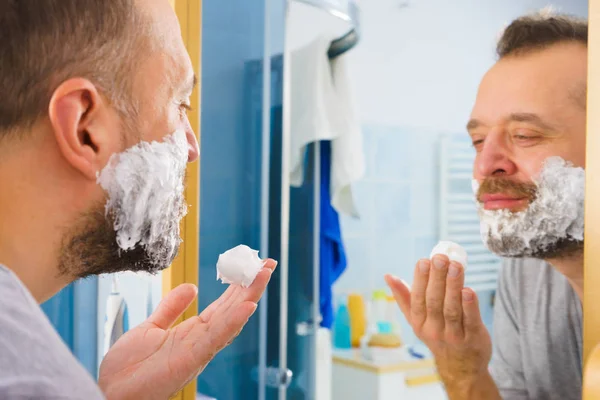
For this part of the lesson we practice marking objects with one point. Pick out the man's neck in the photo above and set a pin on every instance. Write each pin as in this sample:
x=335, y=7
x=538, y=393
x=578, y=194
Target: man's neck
x=572, y=268
x=30, y=235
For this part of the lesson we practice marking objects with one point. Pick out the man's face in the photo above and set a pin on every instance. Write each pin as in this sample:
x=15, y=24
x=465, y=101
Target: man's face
x=530, y=107
x=135, y=224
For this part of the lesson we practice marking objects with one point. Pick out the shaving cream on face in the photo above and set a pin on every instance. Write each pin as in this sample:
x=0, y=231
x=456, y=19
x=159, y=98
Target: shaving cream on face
x=239, y=266
x=554, y=218
x=145, y=187
x=452, y=250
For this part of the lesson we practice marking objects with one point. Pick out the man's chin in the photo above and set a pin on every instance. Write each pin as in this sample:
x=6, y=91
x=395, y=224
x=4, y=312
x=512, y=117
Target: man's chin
x=540, y=248
x=154, y=262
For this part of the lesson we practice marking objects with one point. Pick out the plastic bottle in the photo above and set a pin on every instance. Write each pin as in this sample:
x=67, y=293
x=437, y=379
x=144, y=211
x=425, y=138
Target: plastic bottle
x=392, y=316
x=358, y=322
x=379, y=311
x=341, y=327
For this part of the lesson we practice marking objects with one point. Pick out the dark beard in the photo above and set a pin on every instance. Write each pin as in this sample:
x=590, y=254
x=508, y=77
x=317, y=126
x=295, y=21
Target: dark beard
x=92, y=249
x=512, y=247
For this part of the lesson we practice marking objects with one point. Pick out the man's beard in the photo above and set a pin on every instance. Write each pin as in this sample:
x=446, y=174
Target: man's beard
x=552, y=224
x=138, y=227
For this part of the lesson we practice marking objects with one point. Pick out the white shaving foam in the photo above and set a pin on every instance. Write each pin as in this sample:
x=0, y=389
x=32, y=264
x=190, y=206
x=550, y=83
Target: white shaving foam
x=557, y=213
x=453, y=251
x=145, y=186
x=239, y=266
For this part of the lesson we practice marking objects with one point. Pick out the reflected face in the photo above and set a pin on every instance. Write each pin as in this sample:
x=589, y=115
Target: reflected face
x=529, y=108
x=136, y=226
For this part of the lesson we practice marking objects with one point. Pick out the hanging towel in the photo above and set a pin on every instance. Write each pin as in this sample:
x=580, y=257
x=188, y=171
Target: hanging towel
x=321, y=109
x=332, y=257
x=347, y=159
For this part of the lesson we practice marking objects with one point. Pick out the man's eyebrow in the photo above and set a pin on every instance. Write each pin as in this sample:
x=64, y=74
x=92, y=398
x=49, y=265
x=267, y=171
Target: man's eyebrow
x=516, y=117
x=194, y=82
x=473, y=123
x=531, y=118
x=190, y=85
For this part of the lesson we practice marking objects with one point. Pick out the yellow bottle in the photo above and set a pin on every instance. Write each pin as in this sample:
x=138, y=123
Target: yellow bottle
x=358, y=320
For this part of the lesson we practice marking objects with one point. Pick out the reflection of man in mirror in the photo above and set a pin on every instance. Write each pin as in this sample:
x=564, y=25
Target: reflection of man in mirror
x=528, y=127
x=94, y=142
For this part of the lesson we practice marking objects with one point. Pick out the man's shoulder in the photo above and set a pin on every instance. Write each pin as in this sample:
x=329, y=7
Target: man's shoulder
x=35, y=362
x=23, y=325
x=12, y=289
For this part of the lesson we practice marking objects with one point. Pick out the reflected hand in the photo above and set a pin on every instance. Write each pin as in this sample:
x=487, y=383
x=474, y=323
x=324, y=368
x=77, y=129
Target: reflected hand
x=155, y=360
x=445, y=316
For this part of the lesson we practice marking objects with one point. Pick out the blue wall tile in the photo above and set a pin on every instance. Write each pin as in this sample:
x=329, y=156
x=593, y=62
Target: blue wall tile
x=391, y=208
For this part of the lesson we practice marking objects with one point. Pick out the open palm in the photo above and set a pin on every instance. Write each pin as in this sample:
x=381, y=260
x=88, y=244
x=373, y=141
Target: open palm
x=155, y=360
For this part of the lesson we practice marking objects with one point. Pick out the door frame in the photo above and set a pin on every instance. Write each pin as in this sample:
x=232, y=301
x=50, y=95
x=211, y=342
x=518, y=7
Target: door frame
x=591, y=294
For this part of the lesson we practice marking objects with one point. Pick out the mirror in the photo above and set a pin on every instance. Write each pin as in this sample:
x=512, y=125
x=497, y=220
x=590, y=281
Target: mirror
x=409, y=86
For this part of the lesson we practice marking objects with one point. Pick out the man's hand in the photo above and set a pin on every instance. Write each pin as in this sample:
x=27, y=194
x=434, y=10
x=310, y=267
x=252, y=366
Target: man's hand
x=155, y=361
x=446, y=317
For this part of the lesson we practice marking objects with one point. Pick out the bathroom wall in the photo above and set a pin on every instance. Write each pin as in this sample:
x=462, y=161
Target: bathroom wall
x=419, y=65
x=415, y=74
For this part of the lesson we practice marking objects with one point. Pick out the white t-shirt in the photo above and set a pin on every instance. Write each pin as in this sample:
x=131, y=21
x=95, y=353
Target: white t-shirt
x=34, y=361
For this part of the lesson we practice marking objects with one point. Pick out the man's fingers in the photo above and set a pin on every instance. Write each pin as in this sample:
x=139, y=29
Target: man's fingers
x=453, y=317
x=208, y=312
x=222, y=331
x=270, y=264
x=418, y=308
x=235, y=294
x=253, y=293
x=256, y=290
x=173, y=305
x=436, y=291
x=401, y=292
x=471, y=315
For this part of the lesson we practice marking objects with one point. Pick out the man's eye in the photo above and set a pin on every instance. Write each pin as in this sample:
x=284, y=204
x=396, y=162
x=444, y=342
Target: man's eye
x=525, y=139
x=184, y=109
x=477, y=144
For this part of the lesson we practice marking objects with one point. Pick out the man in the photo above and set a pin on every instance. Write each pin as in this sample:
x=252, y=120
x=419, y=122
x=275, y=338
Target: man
x=528, y=128
x=94, y=140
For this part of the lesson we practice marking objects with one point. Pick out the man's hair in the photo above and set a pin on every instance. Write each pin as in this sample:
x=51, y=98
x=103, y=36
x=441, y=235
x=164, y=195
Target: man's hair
x=540, y=30
x=45, y=42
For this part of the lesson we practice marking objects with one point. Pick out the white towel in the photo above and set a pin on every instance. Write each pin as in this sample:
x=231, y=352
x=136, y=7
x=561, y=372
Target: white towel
x=322, y=109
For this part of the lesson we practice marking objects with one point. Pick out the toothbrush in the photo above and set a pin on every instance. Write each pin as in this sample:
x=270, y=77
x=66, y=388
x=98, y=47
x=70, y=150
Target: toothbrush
x=149, y=306
x=116, y=321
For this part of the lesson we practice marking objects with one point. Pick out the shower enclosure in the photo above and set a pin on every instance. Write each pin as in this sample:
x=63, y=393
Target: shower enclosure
x=245, y=189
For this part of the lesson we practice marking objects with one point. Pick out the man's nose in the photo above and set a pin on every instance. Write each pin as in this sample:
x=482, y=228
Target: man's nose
x=194, y=150
x=494, y=159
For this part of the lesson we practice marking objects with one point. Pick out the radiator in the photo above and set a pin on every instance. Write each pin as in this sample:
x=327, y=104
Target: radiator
x=459, y=221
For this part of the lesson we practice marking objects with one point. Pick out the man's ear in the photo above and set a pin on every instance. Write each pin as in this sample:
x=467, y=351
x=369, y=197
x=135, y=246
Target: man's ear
x=83, y=125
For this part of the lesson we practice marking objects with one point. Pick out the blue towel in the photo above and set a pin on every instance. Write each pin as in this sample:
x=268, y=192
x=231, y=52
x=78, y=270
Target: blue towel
x=332, y=255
